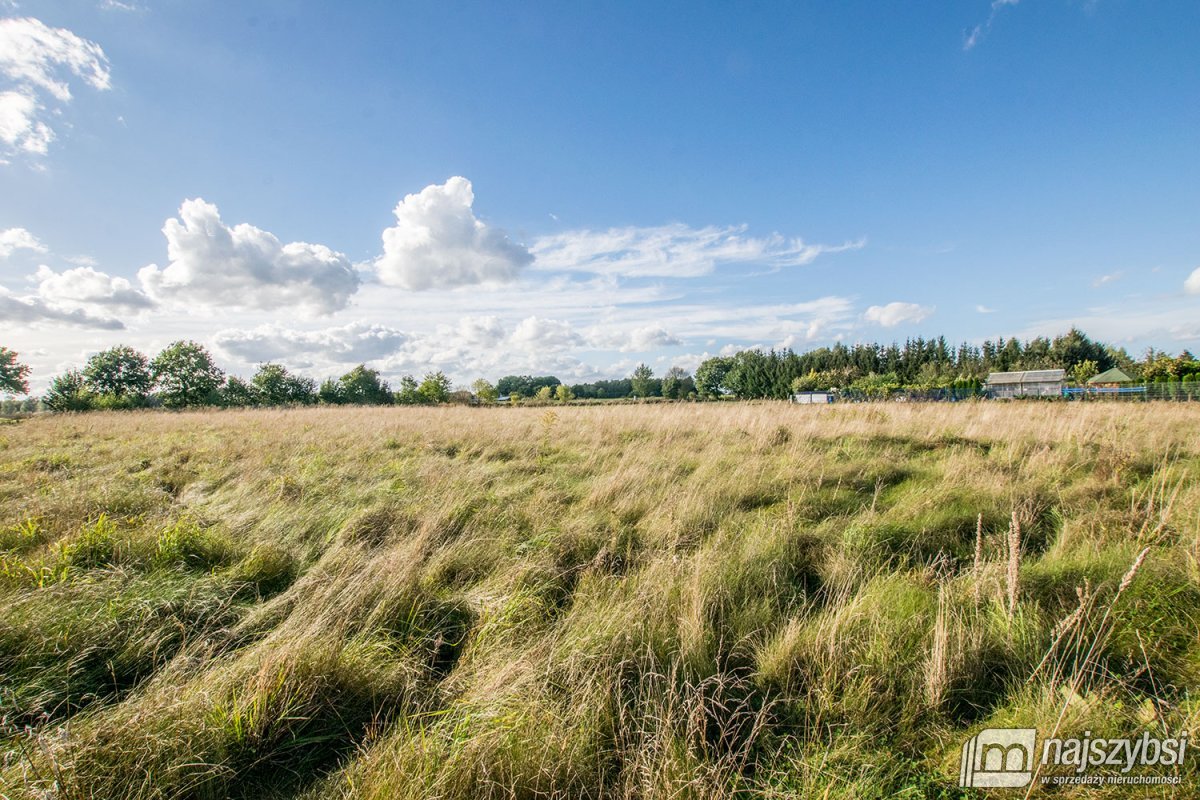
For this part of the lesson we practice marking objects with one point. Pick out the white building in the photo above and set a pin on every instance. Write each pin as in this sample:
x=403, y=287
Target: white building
x=812, y=398
x=1029, y=383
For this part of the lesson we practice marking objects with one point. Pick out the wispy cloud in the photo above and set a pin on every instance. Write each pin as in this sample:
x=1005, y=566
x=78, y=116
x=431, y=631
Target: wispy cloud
x=37, y=64
x=982, y=309
x=592, y=317
x=1161, y=319
x=1105, y=279
x=973, y=37
x=674, y=250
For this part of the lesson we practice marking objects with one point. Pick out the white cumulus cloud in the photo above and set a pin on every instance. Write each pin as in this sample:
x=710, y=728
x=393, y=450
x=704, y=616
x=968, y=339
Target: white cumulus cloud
x=544, y=335
x=438, y=243
x=357, y=342
x=34, y=311
x=1192, y=284
x=674, y=250
x=37, y=64
x=636, y=340
x=85, y=287
x=476, y=331
x=468, y=348
x=246, y=267
x=13, y=239
x=896, y=313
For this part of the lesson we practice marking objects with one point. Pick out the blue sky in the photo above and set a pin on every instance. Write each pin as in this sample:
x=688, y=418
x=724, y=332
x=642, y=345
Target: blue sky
x=573, y=188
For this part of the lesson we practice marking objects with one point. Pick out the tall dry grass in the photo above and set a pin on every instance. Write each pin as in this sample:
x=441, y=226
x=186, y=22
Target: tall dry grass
x=689, y=600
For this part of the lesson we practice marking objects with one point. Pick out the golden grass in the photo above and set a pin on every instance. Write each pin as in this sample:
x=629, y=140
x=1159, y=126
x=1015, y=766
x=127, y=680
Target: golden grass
x=677, y=600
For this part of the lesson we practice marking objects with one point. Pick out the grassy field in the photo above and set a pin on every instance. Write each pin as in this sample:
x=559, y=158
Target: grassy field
x=683, y=601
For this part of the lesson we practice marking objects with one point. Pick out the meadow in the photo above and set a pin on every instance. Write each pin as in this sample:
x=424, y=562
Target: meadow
x=687, y=600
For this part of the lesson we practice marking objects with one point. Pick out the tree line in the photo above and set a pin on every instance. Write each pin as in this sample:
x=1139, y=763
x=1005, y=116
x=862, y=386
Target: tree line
x=920, y=364
x=184, y=374
x=676, y=384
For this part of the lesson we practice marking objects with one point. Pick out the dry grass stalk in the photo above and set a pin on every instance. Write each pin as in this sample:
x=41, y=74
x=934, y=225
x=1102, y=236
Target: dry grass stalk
x=1102, y=634
x=1013, y=574
x=1068, y=625
x=1132, y=573
x=937, y=668
x=978, y=545
x=1154, y=504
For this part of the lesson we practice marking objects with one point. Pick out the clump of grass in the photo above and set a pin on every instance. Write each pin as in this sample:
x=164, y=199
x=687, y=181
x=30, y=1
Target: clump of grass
x=73, y=644
x=96, y=545
x=55, y=462
x=22, y=535
x=185, y=543
x=377, y=524
x=266, y=570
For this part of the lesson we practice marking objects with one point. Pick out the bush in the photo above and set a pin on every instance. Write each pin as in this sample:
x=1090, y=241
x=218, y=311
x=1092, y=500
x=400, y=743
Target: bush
x=69, y=392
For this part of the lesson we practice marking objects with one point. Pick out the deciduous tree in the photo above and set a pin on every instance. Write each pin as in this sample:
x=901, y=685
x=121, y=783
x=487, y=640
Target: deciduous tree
x=677, y=384
x=186, y=375
x=277, y=387
x=641, y=377
x=408, y=394
x=13, y=374
x=119, y=372
x=525, y=385
x=435, y=388
x=485, y=391
x=1084, y=370
x=710, y=376
x=363, y=386
x=238, y=393
x=330, y=392
x=68, y=392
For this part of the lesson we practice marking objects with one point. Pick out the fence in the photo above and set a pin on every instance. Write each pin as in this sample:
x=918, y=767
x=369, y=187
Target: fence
x=1177, y=391
x=909, y=395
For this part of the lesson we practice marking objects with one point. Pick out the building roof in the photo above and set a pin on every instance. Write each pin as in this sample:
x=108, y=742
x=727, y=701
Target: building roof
x=1114, y=375
x=1027, y=376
